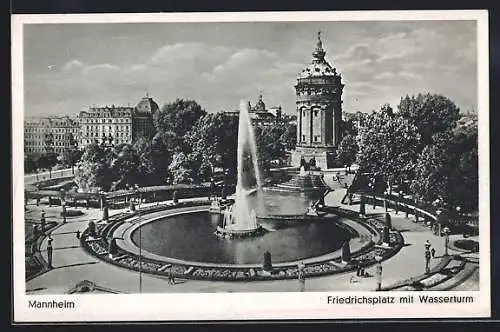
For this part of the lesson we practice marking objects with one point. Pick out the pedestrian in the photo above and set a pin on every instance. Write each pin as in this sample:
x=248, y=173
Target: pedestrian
x=301, y=277
x=212, y=188
x=433, y=252
x=43, y=221
x=49, y=251
x=171, y=280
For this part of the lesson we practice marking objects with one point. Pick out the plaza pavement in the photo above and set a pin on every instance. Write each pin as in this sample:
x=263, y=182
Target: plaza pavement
x=35, y=177
x=72, y=264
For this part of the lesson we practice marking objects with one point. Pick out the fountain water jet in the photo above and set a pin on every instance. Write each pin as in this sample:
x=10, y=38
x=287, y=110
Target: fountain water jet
x=240, y=218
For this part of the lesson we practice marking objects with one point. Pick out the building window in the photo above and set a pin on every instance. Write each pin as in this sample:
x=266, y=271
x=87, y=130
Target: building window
x=303, y=137
x=315, y=112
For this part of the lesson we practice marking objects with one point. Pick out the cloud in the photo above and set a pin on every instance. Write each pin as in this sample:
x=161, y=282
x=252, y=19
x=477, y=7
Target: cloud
x=138, y=67
x=181, y=51
x=398, y=63
x=249, y=72
x=100, y=68
x=377, y=66
x=358, y=53
x=237, y=64
x=73, y=65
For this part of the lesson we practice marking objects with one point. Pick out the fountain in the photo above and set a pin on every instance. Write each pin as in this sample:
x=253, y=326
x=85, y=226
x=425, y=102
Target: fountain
x=287, y=223
x=238, y=219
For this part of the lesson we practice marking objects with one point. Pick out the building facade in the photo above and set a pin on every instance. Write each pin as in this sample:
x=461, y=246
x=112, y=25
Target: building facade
x=319, y=110
x=50, y=134
x=259, y=114
x=113, y=125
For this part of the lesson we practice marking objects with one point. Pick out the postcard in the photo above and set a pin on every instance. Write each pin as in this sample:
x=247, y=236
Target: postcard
x=251, y=166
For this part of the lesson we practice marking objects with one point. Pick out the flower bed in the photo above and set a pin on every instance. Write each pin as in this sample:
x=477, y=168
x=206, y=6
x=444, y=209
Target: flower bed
x=366, y=256
x=467, y=245
x=72, y=213
x=33, y=264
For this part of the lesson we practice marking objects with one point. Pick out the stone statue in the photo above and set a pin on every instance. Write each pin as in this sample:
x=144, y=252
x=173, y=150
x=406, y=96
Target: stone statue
x=302, y=171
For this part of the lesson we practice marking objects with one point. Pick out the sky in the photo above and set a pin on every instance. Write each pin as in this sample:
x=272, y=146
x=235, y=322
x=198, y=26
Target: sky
x=69, y=67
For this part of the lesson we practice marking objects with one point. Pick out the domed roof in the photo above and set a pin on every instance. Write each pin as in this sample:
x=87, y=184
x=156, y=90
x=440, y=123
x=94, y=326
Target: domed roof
x=318, y=70
x=147, y=105
x=260, y=106
x=318, y=67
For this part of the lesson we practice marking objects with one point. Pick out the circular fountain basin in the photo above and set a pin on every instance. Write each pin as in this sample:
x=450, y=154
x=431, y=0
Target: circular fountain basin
x=190, y=237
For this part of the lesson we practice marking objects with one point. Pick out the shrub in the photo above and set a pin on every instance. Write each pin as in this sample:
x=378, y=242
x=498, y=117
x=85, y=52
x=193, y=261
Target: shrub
x=469, y=245
x=72, y=213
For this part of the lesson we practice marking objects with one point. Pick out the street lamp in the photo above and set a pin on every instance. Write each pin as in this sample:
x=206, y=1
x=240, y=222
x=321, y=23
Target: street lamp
x=446, y=232
x=301, y=276
x=140, y=241
x=427, y=246
x=63, y=204
x=438, y=221
x=458, y=209
x=379, y=272
x=101, y=199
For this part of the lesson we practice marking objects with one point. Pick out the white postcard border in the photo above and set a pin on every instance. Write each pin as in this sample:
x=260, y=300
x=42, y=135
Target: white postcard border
x=243, y=306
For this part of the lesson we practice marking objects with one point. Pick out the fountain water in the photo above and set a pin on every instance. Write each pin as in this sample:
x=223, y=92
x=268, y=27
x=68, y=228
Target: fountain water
x=240, y=218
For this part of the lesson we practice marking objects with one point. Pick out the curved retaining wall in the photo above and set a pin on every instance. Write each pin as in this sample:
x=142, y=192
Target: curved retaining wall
x=401, y=205
x=364, y=251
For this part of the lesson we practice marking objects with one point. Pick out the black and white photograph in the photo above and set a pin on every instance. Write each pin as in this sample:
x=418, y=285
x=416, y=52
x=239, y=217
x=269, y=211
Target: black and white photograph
x=336, y=163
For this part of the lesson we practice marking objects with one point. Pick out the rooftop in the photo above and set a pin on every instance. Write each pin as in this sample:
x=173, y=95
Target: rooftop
x=318, y=67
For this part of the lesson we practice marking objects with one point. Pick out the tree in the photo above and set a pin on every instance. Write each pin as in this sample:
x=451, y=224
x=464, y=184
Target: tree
x=387, y=146
x=432, y=170
x=387, y=109
x=125, y=166
x=71, y=156
x=180, y=169
x=448, y=169
x=269, y=144
x=29, y=163
x=430, y=113
x=213, y=142
x=350, y=126
x=274, y=140
x=289, y=137
x=94, y=172
x=346, y=153
x=464, y=178
x=93, y=153
x=178, y=118
x=154, y=157
x=47, y=160
x=92, y=177
x=145, y=163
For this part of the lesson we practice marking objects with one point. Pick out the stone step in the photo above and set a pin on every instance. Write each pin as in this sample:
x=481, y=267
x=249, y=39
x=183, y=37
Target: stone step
x=457, y=279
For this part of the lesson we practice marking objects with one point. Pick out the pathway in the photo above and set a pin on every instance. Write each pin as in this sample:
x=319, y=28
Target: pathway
x=72, y=264
x=35, y=177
